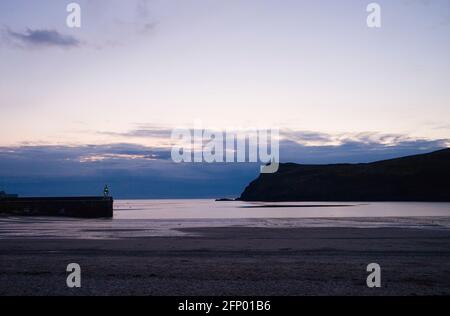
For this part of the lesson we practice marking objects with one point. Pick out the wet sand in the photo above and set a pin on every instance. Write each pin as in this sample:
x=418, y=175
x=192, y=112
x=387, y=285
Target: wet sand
x=234, y=261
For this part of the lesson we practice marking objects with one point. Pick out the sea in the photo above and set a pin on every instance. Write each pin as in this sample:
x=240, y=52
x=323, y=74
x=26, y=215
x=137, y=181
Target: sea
x=165, y=218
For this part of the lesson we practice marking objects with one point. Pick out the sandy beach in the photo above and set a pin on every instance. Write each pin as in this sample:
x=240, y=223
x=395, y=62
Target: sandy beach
x=234, y=261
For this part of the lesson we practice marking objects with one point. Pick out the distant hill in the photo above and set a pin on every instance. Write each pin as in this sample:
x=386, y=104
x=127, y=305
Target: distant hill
x=423, y=177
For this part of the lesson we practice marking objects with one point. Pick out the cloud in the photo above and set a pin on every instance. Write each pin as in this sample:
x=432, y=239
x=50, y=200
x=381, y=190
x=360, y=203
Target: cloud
x=132, y=171
x=306, y=136
x=301, y=137
x=152, y=132
x=354, y=151
x=311, y=138
x=321, y=148
x=142, y=9
x=137, y=171
x=442, y=126
x=42, y=38
x=145, y=22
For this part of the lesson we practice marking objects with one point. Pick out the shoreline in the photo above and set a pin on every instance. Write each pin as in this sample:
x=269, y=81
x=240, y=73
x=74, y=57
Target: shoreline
x=234, y=261
x=41, y=228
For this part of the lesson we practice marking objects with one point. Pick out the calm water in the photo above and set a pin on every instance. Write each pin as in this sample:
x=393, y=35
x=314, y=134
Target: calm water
x=209, y=209
x=143, y=218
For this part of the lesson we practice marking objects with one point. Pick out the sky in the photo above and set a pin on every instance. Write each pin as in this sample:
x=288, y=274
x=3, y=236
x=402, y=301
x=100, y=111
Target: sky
x=84, y=106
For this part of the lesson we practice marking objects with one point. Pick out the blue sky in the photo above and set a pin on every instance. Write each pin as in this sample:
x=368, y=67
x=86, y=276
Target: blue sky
x=81, y=107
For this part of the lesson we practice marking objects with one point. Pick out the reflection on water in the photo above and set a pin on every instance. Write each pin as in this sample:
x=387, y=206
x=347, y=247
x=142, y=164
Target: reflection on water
x=183, y=209
x=146, y=218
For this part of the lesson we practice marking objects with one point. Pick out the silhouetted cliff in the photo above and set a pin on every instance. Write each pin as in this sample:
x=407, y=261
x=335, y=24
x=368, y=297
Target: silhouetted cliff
x=423, y=177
